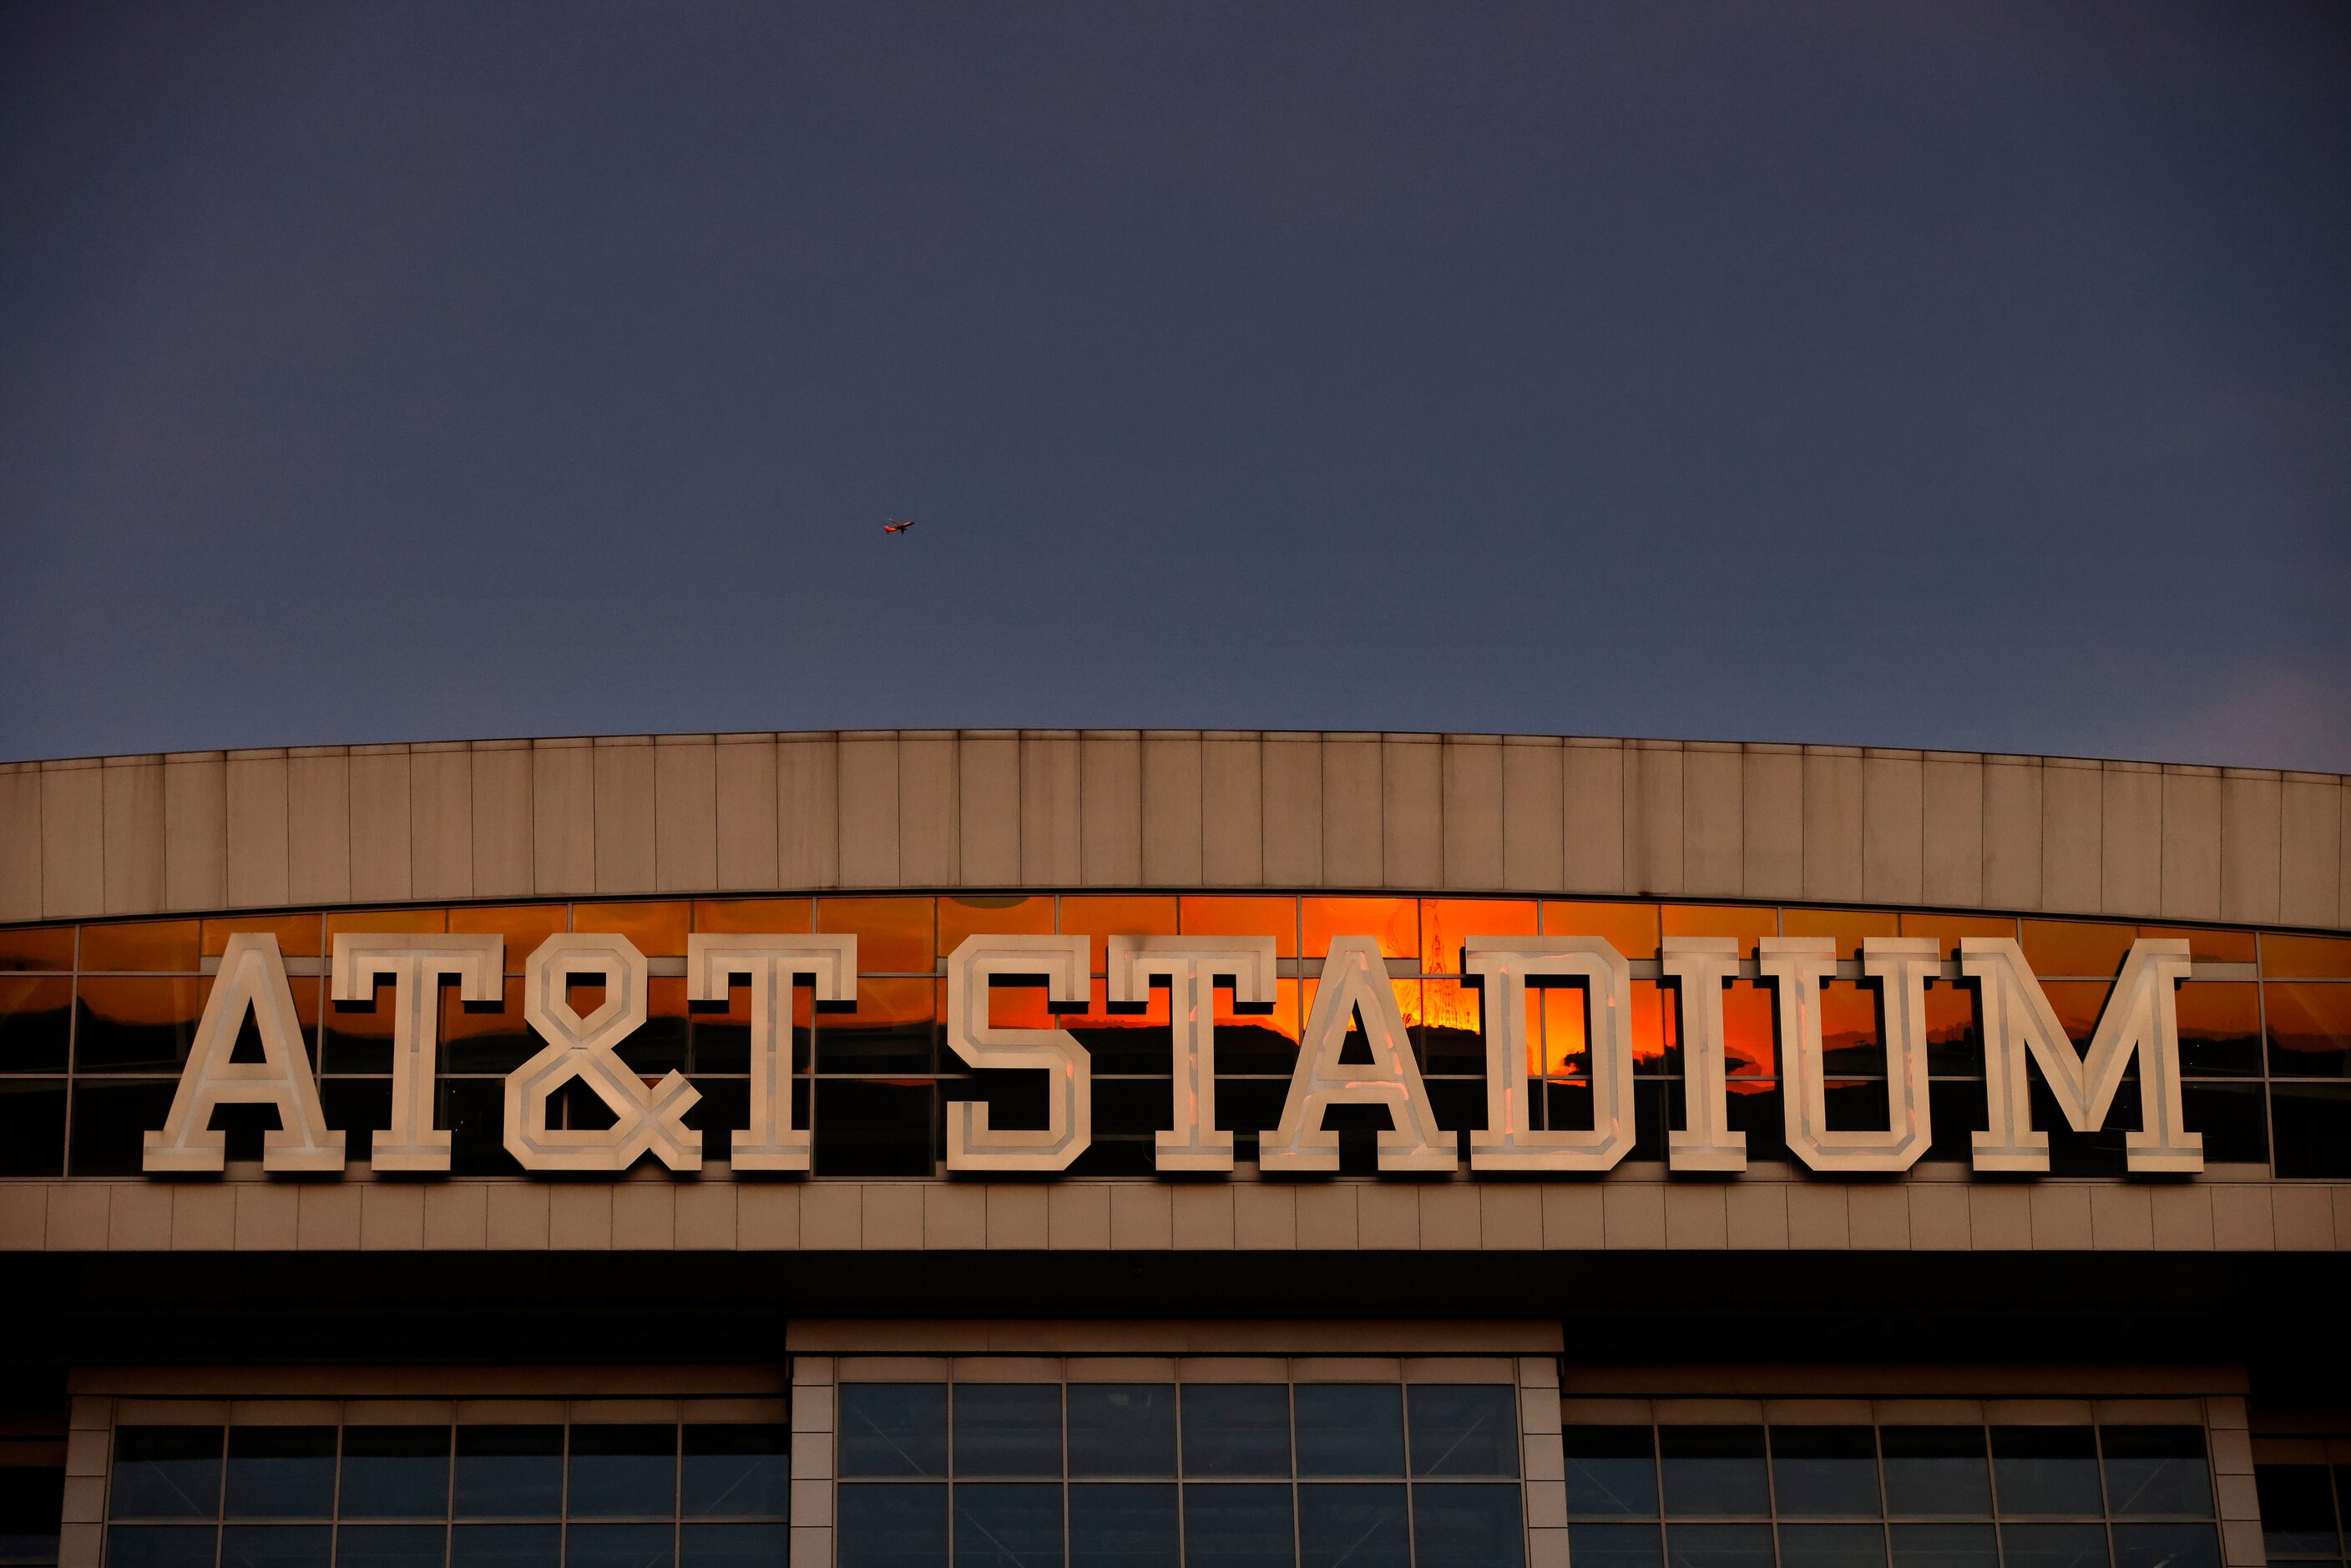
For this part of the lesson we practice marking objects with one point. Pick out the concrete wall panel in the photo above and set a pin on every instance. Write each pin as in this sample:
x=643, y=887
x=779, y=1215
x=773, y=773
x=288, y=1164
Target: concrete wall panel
x=1771, y=848
x=1051, y=787
x=383, y=825
x=869, y=808
x=743, y=791
x=989, y=785
x=1110, y=809
x=1411, y=811
x=2250, y=836
x=1471, y=814
x=1534, y=814
x=2013, y=856
x=1596, y=816
x=257, y=829
x=1653, y=817
x=501, y=859
x=195, y=830
x=2131, y=854
x=1953, y=859
x=73, y=838
x=1293, y=808
x=2312, y=872
x=441, y=821
x=1353, y=834
x=319, y=824
x=2073, y=814
x=563, y=817
x=1171, y=808
x=808, y=810
x=2191, y=873
x=133, y=852
x=685, y=813
x=1832, y=823
x=929, y=807
x=1714, y=824
x=626, y=858
x=20, y=842
x=1232, y=809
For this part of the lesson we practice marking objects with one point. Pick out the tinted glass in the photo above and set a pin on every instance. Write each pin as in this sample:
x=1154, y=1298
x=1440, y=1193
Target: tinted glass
x=733, y=1545
x=1356, y=1526
x=735, y=1470
x=389, y=1546
x=1463, y=1429
x=1713, y=1471
x=275, y=1545
x=2053, y=1545
x=1936, y=1469
x=2156, y=1470
x=166, y=1472
x=281, y=1472
x=1007, y=1525
x=1008, y=1429
x=617, y=1547
x=505, y=1545
x=1119, y=1524
x=395, y=1472
x=1615, y=1546
x=1467, y=1527
x=1236, y=1429
x=623, y=1473
x=1122, y=1429
x=903, y=1526
x=2297, y=1510
x=1235, y=1526
x=1832, y=1546
x=1945, y=1546
x=2045, y=1470
x=160, y=1546
x=893, y=1428
x=2165, y=1546
x=1610, y=1470
x=1720, y=1546
x=508, y=1472
x=1350, y=1429
x=1824, y=1469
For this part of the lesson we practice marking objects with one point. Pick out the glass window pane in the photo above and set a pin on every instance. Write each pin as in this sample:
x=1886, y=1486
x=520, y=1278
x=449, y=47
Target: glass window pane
x=2219, y=1028
x=623, y=1473
x=275, y=1545
x=2165, y=1546
x=2310, y=1124
x=1350, y=1429
x=893, y=1430
x=2310, y=1029
x=1718, y=1545
x=1122, y=1524
x=166, y=1472
x=1713, y=1471
x=281, y=1472
x=1610, y=1470
x=733, y=1545
x=1235, y=1526
x=2045, y=1470
x=1007, y=1525
x=2156, y=1470
x=1945, y=1546
x=735, y=1471
x=1825, y=1470
x=1832, y=1546
x=2297, y=1511
x=1236, y=1429
x=1936, y=1469
x=36, y=1018
x=1008, y=1429
x=1356, y=1526
x=1463, y=1429
x=619, y=1546
x=160, y=1545
x=505, y=1545
x=389, y=1545
x=395, y=1472
x=1122, y=1429
x=1614, y=1546
x=509, y=1472
x=2053, y=1545
x=1467, y=1526
x=892, y=1525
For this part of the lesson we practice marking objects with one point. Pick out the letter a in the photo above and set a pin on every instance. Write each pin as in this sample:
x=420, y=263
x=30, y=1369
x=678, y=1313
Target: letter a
x=252, y=979
x=1355, y=981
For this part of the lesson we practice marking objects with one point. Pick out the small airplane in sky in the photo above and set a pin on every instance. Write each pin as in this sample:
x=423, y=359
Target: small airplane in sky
x=894, y=526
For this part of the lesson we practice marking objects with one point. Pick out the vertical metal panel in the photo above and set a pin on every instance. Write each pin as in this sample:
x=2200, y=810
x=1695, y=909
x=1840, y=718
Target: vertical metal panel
x=319, y=824
x=1352, y=831
x=1471, y=812
x=1293, y=808
x=929, y=805
x=1049, y=853
x=73, y=818
x=1714, y=827
x=2073, y=813
x=133, y=853
x=20, y=842
x=685, y=813
x=1892, y=826
x=257, y=827
x=1534, y=814
x=1954, y=859
x=808, y=810
x=987, y=789
x=1110, y=809
x=2014, y=857
x=1412, y=809
x=625, y=859
x=441, y=821
x=382, y=830
x=195, y=830
x=1596, y=816
x=2189, y=871
x=1171, y=808
x=2130, y=857
x=2311, y=869
x=2250, y=834
x=869, y=808
x=743, y=784
x=502, y=862
x=1232, y=809
x=1773, y=822
x=1653, y=816
x=563, y=817
x=1833, y=816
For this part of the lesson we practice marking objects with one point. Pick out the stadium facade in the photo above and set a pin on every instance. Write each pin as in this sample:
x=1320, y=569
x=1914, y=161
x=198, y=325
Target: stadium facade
x=1211, y=1148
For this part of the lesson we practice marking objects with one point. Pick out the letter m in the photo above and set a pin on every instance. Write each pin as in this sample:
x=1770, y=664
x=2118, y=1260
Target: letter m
x=2141, y=1017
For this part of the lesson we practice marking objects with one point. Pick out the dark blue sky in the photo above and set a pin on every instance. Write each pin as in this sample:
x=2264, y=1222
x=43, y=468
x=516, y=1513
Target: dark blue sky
x=1971, y=376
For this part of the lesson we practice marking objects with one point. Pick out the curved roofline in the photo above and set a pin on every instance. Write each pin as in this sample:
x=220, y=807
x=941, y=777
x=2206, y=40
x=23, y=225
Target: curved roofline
x=1230, y=809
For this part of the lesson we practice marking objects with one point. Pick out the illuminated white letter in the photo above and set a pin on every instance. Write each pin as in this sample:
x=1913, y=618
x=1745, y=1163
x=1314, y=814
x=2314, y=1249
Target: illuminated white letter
x=1703, y=965
x=972, y=1144
x=252, y=979
x=646, y=1121
x=1355, y=983
x=772, y=966
x=416, y=965
x=1192, y=967
x=1506, y=965
x=2141, y=1016
x=1902, y=965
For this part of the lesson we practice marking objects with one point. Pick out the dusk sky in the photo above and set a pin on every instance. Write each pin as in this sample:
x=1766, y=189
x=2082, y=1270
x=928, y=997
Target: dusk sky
x=1966, y=376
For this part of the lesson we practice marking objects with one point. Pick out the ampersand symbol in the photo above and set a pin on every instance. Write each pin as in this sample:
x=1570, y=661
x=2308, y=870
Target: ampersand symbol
x=647, y=1119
